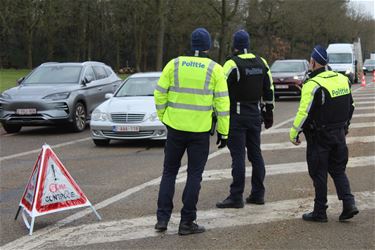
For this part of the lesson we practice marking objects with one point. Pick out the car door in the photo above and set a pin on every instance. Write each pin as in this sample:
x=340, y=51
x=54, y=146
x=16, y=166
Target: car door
x=90, y=88
x=102, y=84
x=113, y=80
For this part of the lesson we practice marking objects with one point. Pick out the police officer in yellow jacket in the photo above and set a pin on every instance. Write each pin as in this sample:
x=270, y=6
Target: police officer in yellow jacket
x=249, y=83
x=324, y=114
x=190, y=89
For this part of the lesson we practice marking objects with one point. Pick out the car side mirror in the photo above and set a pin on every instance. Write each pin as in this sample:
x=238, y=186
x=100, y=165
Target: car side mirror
x=86, y=80
x=355, y=62
x=19, y=81
x=108, y=96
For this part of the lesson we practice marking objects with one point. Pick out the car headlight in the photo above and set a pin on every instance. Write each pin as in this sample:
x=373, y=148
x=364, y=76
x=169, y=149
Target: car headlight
x=5, y=96
x=348, y=71
x=298, y=77
x=57, y=96
x=98, y=115
x=364, y=68
x=153, y=117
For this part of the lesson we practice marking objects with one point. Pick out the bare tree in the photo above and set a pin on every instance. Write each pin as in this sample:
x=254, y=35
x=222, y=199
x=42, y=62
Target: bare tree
x=226, y=15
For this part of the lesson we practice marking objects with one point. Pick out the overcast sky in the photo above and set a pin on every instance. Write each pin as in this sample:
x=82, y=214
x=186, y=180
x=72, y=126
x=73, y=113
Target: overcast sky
x=366, y=7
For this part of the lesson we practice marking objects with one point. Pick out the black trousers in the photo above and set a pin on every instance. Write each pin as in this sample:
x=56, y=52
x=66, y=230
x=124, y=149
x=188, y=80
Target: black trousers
x=197, y=147
x=245, y=133
x=327, y=153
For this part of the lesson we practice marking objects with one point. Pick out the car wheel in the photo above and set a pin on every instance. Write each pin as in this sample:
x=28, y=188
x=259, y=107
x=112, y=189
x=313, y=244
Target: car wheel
x=101, y=143
x=11, y=128
x=79, y=117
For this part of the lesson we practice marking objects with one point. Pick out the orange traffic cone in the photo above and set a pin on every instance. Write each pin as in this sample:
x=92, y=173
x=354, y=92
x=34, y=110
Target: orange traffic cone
x=373, y=76
x=363, y=81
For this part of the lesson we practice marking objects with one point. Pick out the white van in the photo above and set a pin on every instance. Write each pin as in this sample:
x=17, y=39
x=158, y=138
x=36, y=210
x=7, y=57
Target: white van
x=342, y=59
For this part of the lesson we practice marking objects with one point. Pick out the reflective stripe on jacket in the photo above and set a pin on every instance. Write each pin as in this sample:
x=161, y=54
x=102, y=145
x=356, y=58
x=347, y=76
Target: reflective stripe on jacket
x=189, y=90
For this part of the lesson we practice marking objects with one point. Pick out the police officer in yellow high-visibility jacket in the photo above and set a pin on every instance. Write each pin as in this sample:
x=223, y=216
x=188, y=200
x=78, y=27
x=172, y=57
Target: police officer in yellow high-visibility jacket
x=323, y=116
x=190, y=89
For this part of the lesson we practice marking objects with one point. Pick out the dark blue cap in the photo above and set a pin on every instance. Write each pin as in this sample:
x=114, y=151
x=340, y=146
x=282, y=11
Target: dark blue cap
x=200, y=40
x=241, y=40
x=319, y=54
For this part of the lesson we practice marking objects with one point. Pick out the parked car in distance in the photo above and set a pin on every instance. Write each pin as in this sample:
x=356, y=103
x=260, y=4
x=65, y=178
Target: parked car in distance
x=130, y=113
x=57, y=93
x=369, y=66
x=288, y=76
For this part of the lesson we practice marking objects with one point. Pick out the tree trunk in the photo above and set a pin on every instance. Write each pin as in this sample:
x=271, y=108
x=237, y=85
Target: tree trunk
x=30, y=49
x=160, y=35
x=117, y=55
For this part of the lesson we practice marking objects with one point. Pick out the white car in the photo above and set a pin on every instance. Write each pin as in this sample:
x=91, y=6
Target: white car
x=130, y=113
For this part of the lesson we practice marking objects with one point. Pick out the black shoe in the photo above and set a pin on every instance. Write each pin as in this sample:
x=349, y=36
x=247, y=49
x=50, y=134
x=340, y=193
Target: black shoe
x=229, y=203
x=252, y=200
x=313, y=217
x=161, y=226
x=186, y=228
x=348, y=213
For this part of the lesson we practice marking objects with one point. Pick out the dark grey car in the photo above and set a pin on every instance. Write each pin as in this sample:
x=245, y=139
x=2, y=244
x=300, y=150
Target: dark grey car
x=57, y=93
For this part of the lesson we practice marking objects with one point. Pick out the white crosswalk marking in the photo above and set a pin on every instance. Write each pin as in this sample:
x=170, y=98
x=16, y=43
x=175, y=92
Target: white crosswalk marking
x=352, y=126
x=138, y=228
x=275, y=169
x=364, y=102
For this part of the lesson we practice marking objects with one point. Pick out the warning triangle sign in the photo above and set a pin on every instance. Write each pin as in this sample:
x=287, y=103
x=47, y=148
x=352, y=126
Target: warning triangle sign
x=51, y=188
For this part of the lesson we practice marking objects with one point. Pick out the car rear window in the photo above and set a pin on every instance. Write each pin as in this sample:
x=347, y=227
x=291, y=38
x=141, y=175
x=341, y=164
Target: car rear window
x=54, y=74
x=280, y=66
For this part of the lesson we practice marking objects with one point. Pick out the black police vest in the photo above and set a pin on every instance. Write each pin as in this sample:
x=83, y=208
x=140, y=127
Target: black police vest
x=331, y=112
x=250, y=87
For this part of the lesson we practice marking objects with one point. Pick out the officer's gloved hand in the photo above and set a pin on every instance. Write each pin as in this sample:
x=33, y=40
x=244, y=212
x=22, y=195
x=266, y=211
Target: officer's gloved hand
x=267, y=119
x=222, y=140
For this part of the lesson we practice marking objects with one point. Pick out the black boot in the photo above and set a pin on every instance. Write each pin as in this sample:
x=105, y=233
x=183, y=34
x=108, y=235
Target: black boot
x=189, y=227
x=229, y=203
x=161, y=225
x=314, y=217
x=348, y=212
x=252, y=200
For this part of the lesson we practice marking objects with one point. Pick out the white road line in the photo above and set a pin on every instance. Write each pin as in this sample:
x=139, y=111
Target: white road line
x=364, y=98
x=143, y=227
x=276, y=169
x=365, y=108
x=38, y=150
x=353, y=125
x=363, y=94
x=364, y=102
x=364, y=115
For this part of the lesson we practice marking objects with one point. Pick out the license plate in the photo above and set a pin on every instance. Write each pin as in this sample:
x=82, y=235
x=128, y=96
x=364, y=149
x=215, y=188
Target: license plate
x=123, y=128
x=26, y=111
x=281, y=86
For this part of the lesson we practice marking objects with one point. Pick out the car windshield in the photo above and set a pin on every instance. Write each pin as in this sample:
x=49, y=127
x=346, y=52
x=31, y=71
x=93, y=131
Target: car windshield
x=54, y=74
x=337, y=58
x=139, y=86
x=280, y=66
x=369, y=62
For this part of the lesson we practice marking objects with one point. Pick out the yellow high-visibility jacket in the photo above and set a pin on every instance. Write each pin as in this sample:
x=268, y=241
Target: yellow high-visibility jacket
x=336, y=84
x=189, y=90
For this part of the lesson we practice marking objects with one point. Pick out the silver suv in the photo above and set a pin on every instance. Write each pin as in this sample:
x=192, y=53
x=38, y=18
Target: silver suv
x=57, y=93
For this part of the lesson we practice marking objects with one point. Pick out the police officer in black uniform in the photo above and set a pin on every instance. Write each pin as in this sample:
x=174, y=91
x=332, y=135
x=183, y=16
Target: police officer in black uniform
x=249, y=81
x=325, y=110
